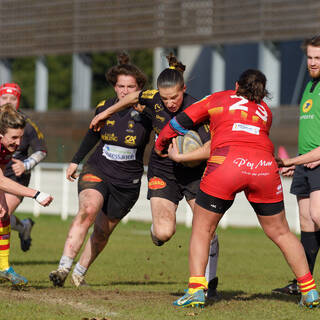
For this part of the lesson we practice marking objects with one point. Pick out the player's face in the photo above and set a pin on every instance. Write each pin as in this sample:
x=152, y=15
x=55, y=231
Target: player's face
x=11, y=139
x=125, y=85
x=8, y=98
x=172, y=97
x=313, y=56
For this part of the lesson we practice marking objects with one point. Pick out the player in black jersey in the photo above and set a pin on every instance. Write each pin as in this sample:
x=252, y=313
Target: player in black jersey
x=19, y=168
x=168, y=181
x=109, y=183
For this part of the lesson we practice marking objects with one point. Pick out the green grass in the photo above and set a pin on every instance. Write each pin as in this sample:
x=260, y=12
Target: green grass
x=133, y=279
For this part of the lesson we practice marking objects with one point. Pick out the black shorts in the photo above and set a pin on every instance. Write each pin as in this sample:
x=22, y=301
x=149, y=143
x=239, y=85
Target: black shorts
x=220, y=206
x=24, y=179
x=118, y=200
x=305, y=181
x=173, y=190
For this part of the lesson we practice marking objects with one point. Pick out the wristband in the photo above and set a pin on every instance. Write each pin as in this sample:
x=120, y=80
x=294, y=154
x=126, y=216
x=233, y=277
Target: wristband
x=41, y=196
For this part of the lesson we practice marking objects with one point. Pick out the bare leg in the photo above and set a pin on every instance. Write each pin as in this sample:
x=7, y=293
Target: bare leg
x=204, y=225
x=90, y=203
x=103, y=227
x=163, y=218
x=277, y=229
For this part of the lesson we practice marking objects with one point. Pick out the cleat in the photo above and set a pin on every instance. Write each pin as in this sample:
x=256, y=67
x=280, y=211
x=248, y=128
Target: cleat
x=78, y=280
x=310, y=300
x=291, y=289
x=212, y=289
x=25, y=238
x=155, y=240
x=13, y=277
x=58, y=277
x=196, y=299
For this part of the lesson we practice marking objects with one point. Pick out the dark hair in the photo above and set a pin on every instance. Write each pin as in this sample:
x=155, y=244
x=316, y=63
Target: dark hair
x=173, y=75
x=124, y=67
x=10, y=118
x=314, y=41
x=252, y=85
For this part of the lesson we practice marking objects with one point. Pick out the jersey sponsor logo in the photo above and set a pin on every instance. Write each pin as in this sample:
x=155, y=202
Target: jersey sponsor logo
x=117, y=153
x=240, y=162
x=110, y=122
x=279, y=189
x=148, y=94
x=156, y=183
x=158, y=107
x=91, y=178
x=246, y=128
x=307, y=106
x=109, y=137
x=130, y=140
x=307, y=116
x=162, y=119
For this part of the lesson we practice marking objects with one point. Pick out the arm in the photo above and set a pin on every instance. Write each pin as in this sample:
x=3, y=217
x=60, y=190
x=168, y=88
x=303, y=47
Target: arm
x=89, y=141
x=202, y=153
x=10, y=186
x=19, y=167
x=311, y=156
x=131, y=98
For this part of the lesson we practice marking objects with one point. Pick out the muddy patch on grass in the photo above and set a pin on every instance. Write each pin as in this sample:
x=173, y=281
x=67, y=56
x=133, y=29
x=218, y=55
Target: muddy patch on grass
x=98, y=303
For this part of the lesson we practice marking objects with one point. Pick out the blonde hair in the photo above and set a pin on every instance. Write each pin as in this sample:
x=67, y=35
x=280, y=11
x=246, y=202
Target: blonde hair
x=10, y=118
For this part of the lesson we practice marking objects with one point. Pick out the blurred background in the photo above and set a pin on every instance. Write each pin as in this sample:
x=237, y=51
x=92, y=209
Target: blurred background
x=59, y=50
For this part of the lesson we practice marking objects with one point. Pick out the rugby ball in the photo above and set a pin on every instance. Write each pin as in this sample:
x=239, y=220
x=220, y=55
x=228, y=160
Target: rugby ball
x=189, y=142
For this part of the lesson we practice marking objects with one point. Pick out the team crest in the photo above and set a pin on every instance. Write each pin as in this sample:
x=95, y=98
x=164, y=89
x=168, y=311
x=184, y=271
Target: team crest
x=307, y=106
x=131, y=124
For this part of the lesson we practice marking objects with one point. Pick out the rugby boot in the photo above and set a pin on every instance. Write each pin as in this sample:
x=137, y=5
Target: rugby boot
x=15, y=278
x=212, y=289
x=310, y=300
x=196, y=299
x=78, y=280
x=58, y=277
x=291, y=289
x=25, y=235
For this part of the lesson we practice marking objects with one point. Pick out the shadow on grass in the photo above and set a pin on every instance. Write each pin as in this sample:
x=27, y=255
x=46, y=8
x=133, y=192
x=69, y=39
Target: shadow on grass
x=33, y=262
x=244, y=296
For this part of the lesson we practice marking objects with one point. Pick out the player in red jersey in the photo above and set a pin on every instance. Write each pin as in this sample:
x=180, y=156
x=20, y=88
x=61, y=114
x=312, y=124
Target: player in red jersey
x=22, y=162
x=241, y=159
x=12, y=126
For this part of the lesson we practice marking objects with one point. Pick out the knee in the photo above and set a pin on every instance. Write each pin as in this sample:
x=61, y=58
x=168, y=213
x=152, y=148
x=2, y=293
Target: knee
x=164, y=233
x=87, y=215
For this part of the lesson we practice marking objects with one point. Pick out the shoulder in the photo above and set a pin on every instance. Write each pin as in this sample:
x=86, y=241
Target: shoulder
x=148, y=94
x=104, y=104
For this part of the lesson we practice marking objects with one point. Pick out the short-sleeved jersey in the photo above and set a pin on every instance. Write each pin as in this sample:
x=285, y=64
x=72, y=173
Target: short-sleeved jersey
x=159, y=116
x=32, y=138
x=309, y=122
x=119, y=154
x=234, y=120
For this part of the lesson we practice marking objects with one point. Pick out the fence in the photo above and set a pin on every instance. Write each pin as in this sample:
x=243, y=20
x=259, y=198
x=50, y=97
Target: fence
x=50, y=178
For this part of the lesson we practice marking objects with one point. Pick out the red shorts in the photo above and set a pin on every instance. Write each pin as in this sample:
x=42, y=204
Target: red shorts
x=234, y=169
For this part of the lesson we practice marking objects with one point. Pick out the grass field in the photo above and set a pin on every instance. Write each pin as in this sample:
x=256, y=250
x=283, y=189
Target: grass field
x=133, y=279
